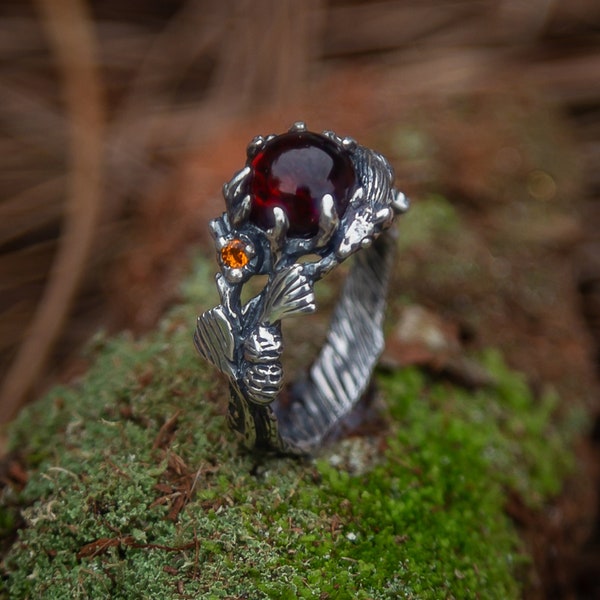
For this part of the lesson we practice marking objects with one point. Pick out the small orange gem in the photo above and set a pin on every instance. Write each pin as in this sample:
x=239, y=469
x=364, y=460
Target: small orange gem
x=234, y=255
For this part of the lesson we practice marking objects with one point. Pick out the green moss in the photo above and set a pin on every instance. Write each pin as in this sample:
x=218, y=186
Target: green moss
x=137, y=489
x=435, y=219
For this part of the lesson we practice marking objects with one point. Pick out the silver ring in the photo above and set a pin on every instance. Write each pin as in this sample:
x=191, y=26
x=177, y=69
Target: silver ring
x=300, y=194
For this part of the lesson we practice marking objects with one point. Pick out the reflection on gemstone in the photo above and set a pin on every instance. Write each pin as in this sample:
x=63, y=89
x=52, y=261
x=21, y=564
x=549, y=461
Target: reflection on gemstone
x=233, y=254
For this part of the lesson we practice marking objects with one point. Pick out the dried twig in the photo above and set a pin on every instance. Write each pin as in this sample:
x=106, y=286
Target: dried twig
x=68, y=26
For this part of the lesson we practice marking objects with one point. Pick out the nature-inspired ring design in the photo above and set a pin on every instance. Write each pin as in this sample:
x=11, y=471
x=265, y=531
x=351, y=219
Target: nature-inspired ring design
x=312, y=196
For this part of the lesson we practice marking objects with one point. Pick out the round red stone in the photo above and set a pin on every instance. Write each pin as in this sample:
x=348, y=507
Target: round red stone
x=294, y=171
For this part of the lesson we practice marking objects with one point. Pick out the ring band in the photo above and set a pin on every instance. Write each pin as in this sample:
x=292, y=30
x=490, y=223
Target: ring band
x=300, y=195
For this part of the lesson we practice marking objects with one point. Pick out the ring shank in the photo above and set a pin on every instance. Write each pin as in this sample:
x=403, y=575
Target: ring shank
x=341, y=373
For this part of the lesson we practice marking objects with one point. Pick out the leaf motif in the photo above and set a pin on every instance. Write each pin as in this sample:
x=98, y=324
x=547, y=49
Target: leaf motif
x=360, y=228
x=376, y=176
x=290, y=292
x=214, y=340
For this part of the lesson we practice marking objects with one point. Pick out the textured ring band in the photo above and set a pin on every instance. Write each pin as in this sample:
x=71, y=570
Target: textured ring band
x=300, y=195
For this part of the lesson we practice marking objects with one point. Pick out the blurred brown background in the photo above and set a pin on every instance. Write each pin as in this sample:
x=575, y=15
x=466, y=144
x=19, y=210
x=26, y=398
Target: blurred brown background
x=119, y=122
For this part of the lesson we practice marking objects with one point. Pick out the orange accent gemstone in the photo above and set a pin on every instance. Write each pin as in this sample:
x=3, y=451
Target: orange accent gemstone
x=233, y=254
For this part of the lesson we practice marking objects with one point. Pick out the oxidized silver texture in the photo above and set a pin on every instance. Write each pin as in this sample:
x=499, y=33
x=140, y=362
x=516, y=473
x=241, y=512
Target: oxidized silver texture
x=244, y=341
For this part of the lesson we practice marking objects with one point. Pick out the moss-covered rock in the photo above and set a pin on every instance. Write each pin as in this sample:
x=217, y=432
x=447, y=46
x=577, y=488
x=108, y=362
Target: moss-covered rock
x=136, y=489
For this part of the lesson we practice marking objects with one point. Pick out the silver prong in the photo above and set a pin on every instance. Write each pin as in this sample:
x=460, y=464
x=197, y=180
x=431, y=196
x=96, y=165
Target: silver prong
x=330, y=134
x=400, y=203
x=270, y=137
x=349, y=143
x=234, y=275
x=384, y=215
x=254, y=146
x=281, y=220
x=240, y=210
x=249, y=250
x=328, y=221
x=233, y=187
x=297, y=126
x=277, y=233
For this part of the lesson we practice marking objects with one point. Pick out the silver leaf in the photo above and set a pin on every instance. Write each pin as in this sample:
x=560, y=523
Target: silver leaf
x=214, y=339
x=290, y=292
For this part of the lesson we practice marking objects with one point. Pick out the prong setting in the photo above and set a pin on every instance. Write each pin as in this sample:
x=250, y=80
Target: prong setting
x=328, y=221
x=400, y=202
x=234, y=186
x=276, y=235
x=241, y=210
x=254, y=146
x=349, y=143
x=298, y=126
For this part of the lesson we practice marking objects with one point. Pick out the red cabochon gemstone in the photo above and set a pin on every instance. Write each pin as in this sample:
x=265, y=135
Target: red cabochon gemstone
x=294, y=171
